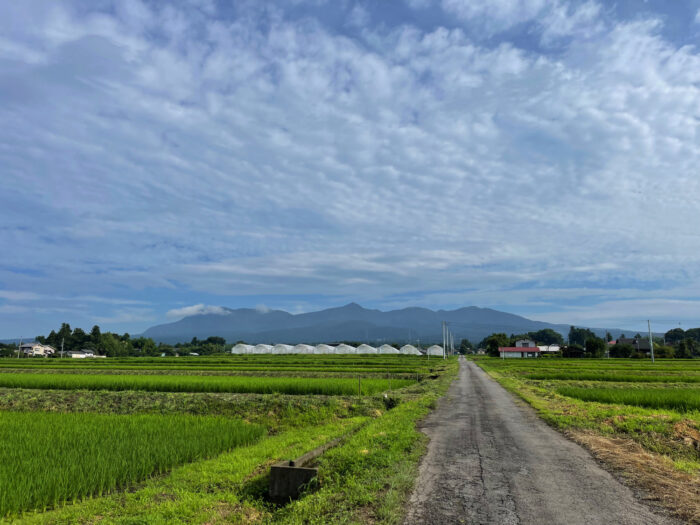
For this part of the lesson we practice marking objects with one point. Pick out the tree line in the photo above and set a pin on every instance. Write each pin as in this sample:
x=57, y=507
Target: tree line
x=118, y=345
x=583, y=342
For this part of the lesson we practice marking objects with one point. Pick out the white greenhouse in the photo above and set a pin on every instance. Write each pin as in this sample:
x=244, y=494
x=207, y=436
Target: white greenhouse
x=435, y=350
x=410, y=350
x=262, y=349
x=366, y=349
x=303, y=349
x=388, y=349
x=241, y=348
x=324, y=349
x=282, y=349
x=345, y=349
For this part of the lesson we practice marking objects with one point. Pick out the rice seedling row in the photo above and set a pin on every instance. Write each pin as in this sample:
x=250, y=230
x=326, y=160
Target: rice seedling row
x=684, y=400
x=189, y=383
x=46, y=458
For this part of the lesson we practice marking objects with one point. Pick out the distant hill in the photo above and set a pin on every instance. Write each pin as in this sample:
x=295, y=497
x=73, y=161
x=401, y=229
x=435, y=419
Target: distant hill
x=351, y=322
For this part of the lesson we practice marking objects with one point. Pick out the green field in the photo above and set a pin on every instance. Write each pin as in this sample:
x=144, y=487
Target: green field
x=190, y=383
x=681, y=399
x=185, y=440
x=49, y=458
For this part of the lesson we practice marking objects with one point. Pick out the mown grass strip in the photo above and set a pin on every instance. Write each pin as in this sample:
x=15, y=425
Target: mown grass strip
x=189, y=383
x=46, y=459
x=682, y=399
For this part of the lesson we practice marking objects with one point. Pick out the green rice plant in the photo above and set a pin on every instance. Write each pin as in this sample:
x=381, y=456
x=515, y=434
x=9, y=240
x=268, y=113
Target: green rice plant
x=681, y=399
x=190, y=383
x=616, y=377
x=47, y=459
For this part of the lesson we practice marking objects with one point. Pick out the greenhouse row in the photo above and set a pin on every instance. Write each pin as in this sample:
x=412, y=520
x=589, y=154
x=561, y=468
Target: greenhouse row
x=241, y=348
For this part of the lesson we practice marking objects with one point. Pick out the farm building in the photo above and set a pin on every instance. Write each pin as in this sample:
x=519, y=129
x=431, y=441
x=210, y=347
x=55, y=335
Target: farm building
x=525, y=343
x=303, y=349
x=36, y=350
x=507, y=352
x=549, y=348
x=410, y=350
x=435, y=350
x=388, y=349
x=81, y=354
x=366, y=349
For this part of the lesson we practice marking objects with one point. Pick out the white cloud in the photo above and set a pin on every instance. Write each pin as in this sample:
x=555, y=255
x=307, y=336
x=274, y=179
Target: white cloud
x=196, y=309
x=267, y=154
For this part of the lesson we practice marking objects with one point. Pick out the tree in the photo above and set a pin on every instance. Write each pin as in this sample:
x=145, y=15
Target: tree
x=492, y=342
x=595, y=347
x=578, y=336
x=574, y=350
x=96, y=335
x=621, y=350
x=685, y=350
x=663, y=351
x=608, y=337
x=465, y=346
x=65, y=334
x=674, y=336
x=112, y=346
x=79, y=339
x=547, y=336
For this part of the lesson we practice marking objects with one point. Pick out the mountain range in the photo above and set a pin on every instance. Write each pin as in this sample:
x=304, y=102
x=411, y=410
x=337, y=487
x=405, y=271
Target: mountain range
x=351, y=322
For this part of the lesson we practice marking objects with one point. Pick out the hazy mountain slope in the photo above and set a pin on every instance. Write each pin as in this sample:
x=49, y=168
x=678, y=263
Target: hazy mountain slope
x=349, y=322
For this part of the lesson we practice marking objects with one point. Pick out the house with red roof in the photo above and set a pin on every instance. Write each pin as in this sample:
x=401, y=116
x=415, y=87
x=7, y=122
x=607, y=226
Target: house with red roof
x=523, y=348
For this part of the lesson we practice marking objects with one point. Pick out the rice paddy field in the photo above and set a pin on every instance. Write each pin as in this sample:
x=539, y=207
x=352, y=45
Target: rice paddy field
x=190, y=440
x=641, y=418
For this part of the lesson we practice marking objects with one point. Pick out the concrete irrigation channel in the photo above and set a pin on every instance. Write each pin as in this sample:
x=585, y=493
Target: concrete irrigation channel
x=492, y=460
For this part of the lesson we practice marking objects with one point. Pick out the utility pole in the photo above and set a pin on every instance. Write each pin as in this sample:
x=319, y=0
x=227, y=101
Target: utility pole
x=651, y=341
x=19, y=346
x=444, y=338
x=62, y=339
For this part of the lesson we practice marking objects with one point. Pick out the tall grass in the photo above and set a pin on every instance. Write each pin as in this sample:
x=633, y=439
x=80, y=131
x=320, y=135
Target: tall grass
x=682, y=399
x=189, y=383
x=46, y=459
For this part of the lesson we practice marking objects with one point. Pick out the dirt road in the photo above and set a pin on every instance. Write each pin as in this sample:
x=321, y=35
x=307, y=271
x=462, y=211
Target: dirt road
x=492, y=460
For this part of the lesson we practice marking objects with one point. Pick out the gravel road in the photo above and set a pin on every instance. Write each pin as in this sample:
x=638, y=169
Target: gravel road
x=492, y=460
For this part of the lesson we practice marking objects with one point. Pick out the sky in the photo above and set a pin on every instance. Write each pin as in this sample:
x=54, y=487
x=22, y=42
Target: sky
x=158, y=159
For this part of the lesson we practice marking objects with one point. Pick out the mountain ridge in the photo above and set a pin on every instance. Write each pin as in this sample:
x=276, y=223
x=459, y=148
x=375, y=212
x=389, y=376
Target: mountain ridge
x=350, y=322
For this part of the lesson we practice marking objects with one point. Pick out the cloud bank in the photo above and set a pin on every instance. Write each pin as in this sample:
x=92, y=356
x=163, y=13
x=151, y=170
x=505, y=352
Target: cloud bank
x=492, y=153
x=195, y=309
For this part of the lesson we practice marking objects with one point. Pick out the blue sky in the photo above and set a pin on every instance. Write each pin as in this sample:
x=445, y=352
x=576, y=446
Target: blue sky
x=536, y=156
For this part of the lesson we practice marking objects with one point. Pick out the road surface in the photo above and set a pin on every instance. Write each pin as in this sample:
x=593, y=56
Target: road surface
x=492, y=460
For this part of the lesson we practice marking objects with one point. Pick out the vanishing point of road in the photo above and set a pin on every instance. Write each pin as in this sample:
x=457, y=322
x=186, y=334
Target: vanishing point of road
x=492, y=460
